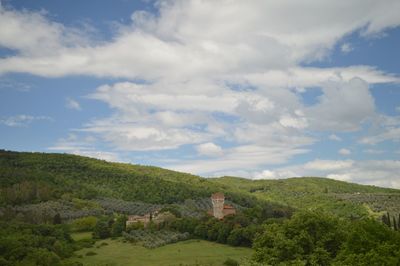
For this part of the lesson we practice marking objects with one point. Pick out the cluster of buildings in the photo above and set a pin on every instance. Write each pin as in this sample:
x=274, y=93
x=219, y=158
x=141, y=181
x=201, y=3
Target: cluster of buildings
x=219, y=211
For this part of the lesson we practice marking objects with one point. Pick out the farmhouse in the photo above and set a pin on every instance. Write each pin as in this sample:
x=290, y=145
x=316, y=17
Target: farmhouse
x=220, y=210
x=156, y=217
x=134, y=219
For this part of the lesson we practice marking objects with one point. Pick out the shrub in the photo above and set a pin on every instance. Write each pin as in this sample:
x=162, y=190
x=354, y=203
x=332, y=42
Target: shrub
x=84, y=224
x=231, y=262
x=91, y=253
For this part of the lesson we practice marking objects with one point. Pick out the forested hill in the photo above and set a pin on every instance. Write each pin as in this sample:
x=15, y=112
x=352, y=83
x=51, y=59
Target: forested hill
x=37, y=177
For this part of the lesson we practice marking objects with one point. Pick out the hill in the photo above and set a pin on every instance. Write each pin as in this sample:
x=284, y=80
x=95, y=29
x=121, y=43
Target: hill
x=32, y=178
x=340, y=198
x=43, y=197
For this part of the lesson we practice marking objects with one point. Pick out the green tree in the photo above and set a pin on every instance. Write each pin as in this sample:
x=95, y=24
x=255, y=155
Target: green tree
x=312, y=238
x=119, y=226
x=369, y=243
x=57, y=219
x=101, y=230
x=41, y=257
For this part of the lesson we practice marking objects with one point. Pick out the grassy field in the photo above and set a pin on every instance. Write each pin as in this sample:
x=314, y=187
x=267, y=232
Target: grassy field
x=191, y=252
x=81, y=235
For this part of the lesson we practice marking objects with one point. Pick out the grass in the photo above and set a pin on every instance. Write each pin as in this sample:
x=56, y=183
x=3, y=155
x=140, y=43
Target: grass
x=190, y=252
x=81, y=235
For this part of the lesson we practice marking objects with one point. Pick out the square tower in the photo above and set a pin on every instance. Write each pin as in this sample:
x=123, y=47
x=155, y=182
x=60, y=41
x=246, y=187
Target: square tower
x=218, y=200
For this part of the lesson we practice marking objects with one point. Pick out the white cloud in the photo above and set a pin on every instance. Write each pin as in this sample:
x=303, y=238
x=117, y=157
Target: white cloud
x=267, y=174
x=175, y=44
x=72, y=104
x=209, y=149
x=74, y=144
x=237, y=159
x=389, y=134
x=343, y=106
x=344, y=151
x=34, y=36
x=22, y=120
x=384, y=173
x=346, y=48
x=288, y=121
x=334, y=137
x=322, y=165
x=340, y=177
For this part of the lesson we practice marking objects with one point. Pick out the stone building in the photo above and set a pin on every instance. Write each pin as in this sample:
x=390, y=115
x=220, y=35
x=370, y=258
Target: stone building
x=220, y=210
x=134, y=219
x=156, y=217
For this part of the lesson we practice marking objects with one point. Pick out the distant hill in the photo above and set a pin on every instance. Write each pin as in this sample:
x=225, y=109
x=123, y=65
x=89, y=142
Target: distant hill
x=338, y=197
x=27, y=178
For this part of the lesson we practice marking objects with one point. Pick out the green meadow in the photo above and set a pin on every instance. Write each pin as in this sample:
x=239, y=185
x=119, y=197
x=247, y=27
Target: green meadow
x=192, y=252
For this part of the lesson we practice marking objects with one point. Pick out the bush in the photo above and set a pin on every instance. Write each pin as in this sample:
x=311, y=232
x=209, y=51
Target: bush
x=231, y=262
x=84, y=224
x=101, y=230
x=91, y=253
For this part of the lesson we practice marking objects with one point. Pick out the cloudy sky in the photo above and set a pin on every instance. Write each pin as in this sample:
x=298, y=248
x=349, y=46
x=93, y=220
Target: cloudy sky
x=258, y=89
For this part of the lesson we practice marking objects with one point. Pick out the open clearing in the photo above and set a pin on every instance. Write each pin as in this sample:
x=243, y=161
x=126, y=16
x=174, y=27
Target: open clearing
x=190, y=252
x=81, y=235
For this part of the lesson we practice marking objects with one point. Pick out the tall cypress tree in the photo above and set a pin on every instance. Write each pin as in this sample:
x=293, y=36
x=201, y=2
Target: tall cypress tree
x=394, y=223
x=384, y=219
x=398, y=220
x=388, y=219
x=57, y=219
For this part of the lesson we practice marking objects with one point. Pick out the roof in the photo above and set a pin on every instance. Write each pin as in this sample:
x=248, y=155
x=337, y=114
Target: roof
x=228, y=207
x=218, y=195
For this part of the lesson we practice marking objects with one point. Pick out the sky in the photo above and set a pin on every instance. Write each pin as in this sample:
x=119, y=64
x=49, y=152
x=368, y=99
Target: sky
x=257, y=89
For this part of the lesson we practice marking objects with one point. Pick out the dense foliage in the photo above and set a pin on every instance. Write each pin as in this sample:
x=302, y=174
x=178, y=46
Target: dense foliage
x=235, y=230
x=37, y=177
x=313, y=238
x=24, y=244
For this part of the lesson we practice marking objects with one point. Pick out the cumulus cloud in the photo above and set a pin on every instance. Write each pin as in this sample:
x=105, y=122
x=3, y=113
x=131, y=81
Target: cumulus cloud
x=209, y=149
x=343, y=106
x=22, y=120
x=344, y=151
x=268, y=174
x=334, y=137
x=175, y=44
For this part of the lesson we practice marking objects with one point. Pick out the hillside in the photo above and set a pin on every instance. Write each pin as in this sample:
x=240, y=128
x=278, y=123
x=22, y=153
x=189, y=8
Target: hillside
x=44, y=197
x=338, y=197
x=33, y=178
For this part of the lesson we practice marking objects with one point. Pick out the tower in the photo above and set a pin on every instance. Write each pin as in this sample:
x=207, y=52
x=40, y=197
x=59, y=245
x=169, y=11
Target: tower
x=218, y=200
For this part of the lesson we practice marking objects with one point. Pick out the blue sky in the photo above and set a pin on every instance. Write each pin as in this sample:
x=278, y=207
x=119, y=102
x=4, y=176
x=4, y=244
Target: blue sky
x=246, y=88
